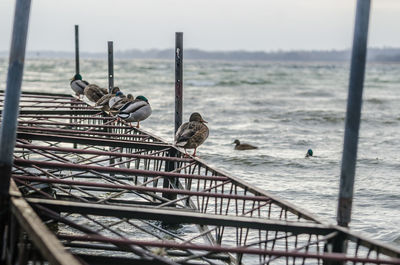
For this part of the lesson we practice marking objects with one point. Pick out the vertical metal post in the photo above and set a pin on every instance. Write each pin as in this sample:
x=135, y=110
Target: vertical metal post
x=353, y=115
x=77, y=71
x=110, y=66
x=352, y=126
x=178, y=79
x=11, y=105
x=170, y=166
x=111, y=84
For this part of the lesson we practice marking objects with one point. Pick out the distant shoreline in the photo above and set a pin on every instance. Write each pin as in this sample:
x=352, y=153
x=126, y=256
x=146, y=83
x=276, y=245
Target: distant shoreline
x=374, y=55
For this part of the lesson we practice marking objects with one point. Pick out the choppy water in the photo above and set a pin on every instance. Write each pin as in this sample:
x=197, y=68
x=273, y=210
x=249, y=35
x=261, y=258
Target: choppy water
x=285, y=109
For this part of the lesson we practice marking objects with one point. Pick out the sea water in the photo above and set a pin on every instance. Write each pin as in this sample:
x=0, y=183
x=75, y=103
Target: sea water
x=283, y=108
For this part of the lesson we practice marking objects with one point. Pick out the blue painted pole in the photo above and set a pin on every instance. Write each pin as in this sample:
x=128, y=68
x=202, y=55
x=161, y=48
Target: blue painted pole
x=110, y=66
x=11, y=105
x=354, y=102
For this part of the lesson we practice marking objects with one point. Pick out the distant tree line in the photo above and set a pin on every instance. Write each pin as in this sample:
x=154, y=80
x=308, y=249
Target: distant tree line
x=374, y=55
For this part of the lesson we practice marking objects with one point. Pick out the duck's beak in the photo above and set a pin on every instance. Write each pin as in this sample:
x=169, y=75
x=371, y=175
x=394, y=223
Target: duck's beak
x=204, y=121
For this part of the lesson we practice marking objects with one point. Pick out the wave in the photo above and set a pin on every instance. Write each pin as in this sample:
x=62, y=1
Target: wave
x=201, y=83
x=244, y=82
x=375, y=101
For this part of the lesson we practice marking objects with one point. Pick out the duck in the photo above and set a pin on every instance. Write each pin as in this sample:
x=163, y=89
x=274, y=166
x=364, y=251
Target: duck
x=120, y=103
x=118, y=96
x=103, y=101
x=94, y=92
x=240, y=146
x=309, y=153
x=192, y=134
x=78, y=85
x=135, y=111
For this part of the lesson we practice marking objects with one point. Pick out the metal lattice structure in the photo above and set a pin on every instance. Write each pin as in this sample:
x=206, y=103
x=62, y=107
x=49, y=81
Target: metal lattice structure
x=88, y=189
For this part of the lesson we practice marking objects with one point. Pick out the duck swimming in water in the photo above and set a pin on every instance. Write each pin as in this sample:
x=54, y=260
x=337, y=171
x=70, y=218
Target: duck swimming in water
x=240, y=146
x=78, y=85
x=135, y=111
x=309, y=153
x=192, y=134
x=94, y=92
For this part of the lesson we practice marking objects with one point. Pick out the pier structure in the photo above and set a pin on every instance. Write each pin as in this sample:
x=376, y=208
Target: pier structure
x=80, y=187
x=84, y=194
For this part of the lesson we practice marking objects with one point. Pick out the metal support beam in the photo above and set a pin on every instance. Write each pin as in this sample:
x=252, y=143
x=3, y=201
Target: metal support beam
x=110, y=66
x=11, y=105
x=44, y=240
x=353, y=115
x=169, y=183
x=178, y=79
x=92, y=141
x=77, y=49
x=179, y=216
x=103, y=153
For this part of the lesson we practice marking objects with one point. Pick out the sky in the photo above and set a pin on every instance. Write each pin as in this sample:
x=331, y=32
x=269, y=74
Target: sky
x=211, y=25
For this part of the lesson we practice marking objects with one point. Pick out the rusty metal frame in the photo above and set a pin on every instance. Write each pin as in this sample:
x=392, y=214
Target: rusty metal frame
x=107, y=187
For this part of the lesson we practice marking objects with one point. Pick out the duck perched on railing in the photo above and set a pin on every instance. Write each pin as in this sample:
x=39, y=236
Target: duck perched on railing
x=94, y=92
x=192, y=134
x=78, y=85
x=104, y=100
x=135, y=111
x=119, y=101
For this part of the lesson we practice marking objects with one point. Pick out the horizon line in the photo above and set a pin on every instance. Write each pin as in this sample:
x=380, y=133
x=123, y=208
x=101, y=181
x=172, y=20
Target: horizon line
x=221, y=51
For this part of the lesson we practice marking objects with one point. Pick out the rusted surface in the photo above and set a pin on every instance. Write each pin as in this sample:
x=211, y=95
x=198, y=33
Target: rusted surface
x=90, y=194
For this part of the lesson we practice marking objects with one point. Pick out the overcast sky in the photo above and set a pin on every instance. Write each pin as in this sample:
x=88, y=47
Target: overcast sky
x=253, y=25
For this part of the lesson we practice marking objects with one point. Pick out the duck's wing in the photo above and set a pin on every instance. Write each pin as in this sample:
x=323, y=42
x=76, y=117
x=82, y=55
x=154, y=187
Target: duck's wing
x=112, y=101
x=132, y=106
x=120, y=102
x=104, y=100
x=200, y=135
x=78, y=86
x=185, y=132
x=102, y=91
x=246, y=147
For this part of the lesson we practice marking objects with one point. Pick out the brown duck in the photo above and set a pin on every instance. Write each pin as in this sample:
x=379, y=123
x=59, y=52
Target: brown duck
x=103, y=101
x=94, y=92
x=192, y=134
x=240, y=146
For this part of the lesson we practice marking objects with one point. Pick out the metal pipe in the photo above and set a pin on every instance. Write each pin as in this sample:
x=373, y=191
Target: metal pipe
x=58, y=107
x=137, y=172
x=77, y=49
x=142, y=188
x=99, y=141
x=41, y=95
x=110, y=66
x=11, y=105
x=101, y=153
x=68, y=131
x=82, y=125
x=228, y=249
x=66, y=117
x=353, y=115
x=178, y=79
